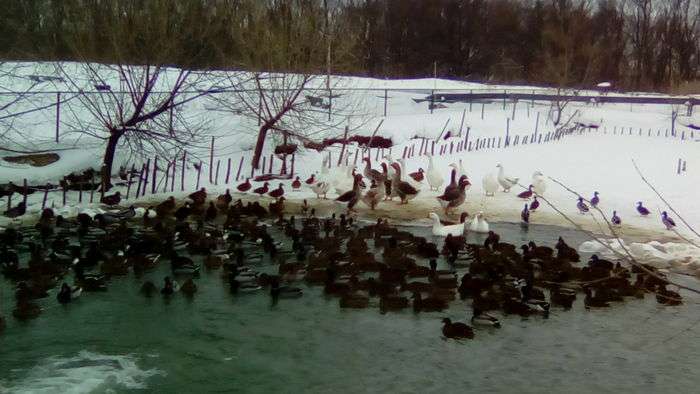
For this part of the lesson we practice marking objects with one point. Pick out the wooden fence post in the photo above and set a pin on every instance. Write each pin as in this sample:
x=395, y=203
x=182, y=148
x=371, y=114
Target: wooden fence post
x=211, y=161
x=182, y=174
x=145, y=178
x=155, y=175
x=46, y=194
x=228, y=170
x=199, y=173
x=240, y=165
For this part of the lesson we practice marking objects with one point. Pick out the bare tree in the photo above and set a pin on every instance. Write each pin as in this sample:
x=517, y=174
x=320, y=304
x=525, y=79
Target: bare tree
x=144, y=114
x=290, y=108
x=17, y=99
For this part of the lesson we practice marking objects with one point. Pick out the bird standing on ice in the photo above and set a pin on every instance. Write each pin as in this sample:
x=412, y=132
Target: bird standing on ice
x=616, y=219
x=667, y=221
x=642, y=211
x=582, y=207
x=526, y=194
x=490, y=184
x=505, y=181
x=539, y=186
x=525, y=215
x=433, y=175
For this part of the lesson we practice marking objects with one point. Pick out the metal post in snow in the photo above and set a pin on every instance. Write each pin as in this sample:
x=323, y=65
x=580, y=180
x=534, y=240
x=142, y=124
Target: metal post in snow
x=432, y=149
x=505, y=94
x=80, y=194
x=330, y=103
x=515, y=103
x=216, y=174
x=432, y=100
x=272, y=160
x=264, y=163
x=182, y=174
x=678, y=169
x=537, y=123
x=483, y=106
x=507, y=142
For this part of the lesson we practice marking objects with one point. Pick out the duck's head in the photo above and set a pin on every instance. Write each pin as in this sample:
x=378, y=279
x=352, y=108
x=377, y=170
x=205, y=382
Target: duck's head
x=639, y=203
x=499, y=165
x=664, y=214
x=434, y=216
x=463, y=217
x=614, y=213
x=446, y=320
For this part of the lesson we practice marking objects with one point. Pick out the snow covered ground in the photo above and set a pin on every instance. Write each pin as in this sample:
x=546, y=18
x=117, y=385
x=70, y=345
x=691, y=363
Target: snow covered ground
x=593, y=160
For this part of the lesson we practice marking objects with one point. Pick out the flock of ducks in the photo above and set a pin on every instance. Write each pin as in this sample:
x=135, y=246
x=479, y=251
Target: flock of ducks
x=361, y=266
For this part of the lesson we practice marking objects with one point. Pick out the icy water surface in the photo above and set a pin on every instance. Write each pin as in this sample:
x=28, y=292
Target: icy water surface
x=119, y=341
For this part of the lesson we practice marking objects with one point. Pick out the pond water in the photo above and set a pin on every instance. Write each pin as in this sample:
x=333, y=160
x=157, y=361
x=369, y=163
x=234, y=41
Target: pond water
x=120, y=341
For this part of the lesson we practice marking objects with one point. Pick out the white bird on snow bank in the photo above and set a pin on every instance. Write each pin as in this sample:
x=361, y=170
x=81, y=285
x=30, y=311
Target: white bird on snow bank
x=490, y=184
x=506, y=181
x=434, y=176
x=539, y=185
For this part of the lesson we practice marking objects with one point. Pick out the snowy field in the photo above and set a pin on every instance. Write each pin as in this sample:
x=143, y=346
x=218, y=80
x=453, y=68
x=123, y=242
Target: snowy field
x=588, y=160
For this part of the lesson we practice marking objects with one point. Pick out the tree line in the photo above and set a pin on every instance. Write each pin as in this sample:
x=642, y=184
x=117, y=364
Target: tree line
x=636, y=44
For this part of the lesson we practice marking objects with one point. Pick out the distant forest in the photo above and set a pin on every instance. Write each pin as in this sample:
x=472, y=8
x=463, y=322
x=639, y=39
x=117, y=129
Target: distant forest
x=636, y=44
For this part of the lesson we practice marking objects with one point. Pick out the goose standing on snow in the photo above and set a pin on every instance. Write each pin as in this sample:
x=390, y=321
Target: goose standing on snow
x=642, y=211
x=667, y=221
x=433, y=175
x=440, y=230
x=454, y=197
x=506, y=182
x=539, y=186
x=582, y=207
x=403, y=189
x=490, y=184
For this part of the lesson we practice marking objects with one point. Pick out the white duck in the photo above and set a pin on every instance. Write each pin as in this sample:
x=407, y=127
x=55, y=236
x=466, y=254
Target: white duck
x=441, y=230
x=506, y=181
x=322, y=184
x=343, y=180
x=479, y=224
x=490, y=184
x=539, y=186
x=434, y=176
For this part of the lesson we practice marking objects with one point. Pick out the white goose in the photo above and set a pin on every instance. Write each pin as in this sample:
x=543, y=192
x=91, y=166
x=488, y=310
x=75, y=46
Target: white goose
x=505, y=181
x=539, y=185
x=441, y=230
x=479, y=224
x=434, y=176
x=322, y=184
x=343, y=180
x=460, y=170
x=490, y=184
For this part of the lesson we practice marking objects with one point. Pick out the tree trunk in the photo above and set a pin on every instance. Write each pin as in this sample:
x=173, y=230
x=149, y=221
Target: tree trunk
x=262, y=134
x=108, y=159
